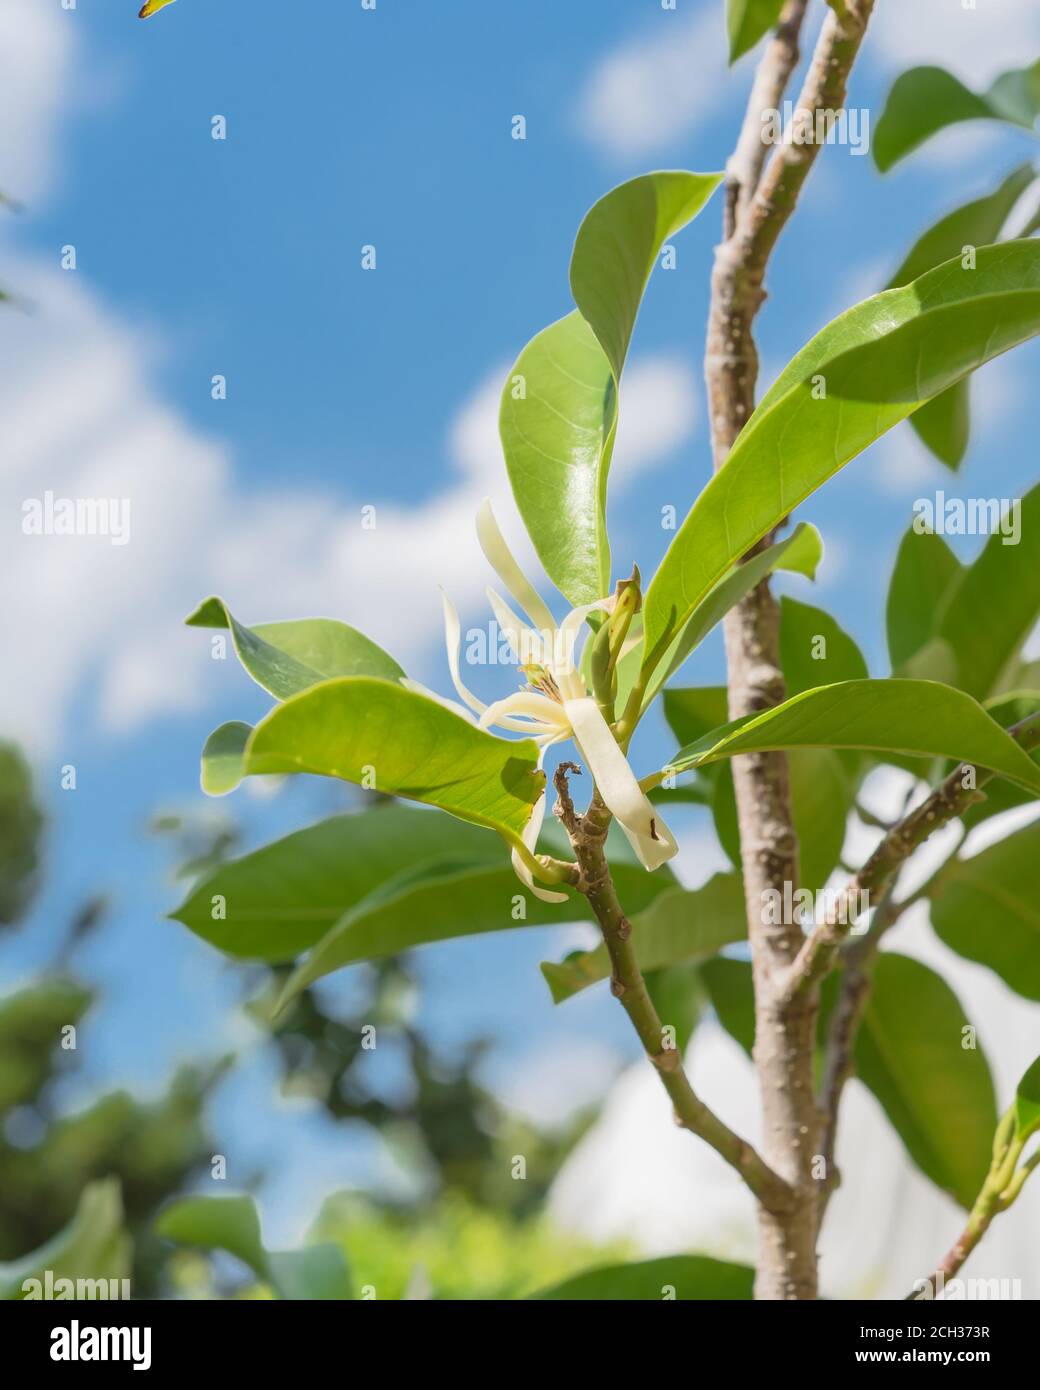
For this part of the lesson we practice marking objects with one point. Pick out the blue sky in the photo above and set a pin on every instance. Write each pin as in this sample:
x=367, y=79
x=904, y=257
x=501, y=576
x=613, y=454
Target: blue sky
x=242, y=257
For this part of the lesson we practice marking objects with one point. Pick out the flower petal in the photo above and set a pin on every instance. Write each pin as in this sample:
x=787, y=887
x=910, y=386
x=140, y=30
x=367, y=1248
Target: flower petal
x=516, y=711
x=647, y=833
x=530, y=835
x=529, y=645
x=501, y=560
x=453, y=636
x=564, y=668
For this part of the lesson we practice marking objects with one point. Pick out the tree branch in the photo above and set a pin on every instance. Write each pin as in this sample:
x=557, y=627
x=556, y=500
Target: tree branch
x=758, y=206
x=588, y=836
x=949, y=800
x=1004, y=1182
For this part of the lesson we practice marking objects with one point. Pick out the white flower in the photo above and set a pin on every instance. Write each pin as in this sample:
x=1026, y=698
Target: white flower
x=556, y=704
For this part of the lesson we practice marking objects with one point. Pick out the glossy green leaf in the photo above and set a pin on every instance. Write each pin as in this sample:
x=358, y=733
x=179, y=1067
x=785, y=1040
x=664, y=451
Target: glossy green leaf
x=996, y=602
x=222, y=757
x=877, y=363
x=926, y=100
x=286, y=658
x=682, y=925
x=277, y=902
x=1027, y=1102
x=925, y=573
x=986, y=909
x=94, y=1245
x=397, y=742
x=999, y=796
x=748, y=21
x=799, y=553
x=944, y=423
x=558, y=417
x=977, y=223
x=814, y=649
x=232, y=1224
x=441, y=903
x=918, y=718
x=937, y=1093
x=686, y=1277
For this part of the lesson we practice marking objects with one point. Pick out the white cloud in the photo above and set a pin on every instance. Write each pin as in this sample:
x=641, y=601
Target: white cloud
x=975, y=43
x=82, y=420
x=654, y=88
x=35, y=62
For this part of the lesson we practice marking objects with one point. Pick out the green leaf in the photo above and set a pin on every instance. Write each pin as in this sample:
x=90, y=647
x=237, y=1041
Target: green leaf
x=1027, y=1103
x=1001, y=796
x=677, y=994
x=814, y=649
x=277, y=902
x=286, y=658
x=232, y=1224
x=732, y=996
x=682, y=925
x=918, y=718
x=94, y=1245
x=877, y=364
x=985, y=908
x=441, y=904
x=558, y=417
x=685, y=1277
x=223, y=757
x=995, y=605
x=977, y=223
x=394, y=741
x=925, y=573
x=926, y=100
x=747, y=21
x=937, y=1093
x=944, y=423
x=799, y=553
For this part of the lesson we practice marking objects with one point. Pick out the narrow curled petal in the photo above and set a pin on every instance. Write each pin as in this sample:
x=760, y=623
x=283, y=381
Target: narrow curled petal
x=501, y=560
x=647, y=833
x=530, y=838
x=529, y=645
x=453, y=636
x=564, y=667
x=516, y=712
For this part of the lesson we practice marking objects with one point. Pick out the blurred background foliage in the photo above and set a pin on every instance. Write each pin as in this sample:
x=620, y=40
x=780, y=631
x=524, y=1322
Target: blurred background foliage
x=75, y=1182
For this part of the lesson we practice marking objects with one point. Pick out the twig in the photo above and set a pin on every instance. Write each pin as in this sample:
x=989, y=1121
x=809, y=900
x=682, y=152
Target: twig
x=951, y=799
x=588, y=836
